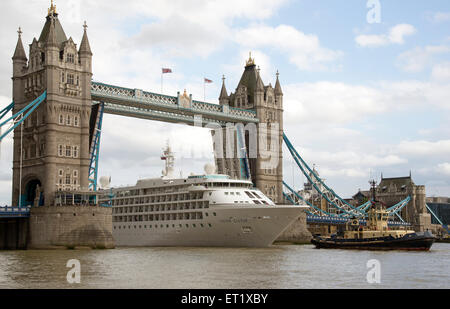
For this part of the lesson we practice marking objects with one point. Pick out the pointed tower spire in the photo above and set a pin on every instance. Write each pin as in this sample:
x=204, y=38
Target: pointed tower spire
x=278, y=90
x=223, y=92
x=85, y=47
x=51, y=38
x=259, y=82
x=19, y=53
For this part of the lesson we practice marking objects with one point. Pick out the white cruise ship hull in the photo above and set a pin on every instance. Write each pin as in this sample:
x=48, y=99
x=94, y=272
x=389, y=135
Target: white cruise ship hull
x=223, y=226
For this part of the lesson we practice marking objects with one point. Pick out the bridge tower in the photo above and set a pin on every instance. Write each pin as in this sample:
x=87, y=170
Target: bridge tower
x=267, y=101
x=51, y=148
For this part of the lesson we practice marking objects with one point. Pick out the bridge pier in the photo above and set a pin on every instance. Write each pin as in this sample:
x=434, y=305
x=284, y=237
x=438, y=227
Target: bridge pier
x=53, y=227
x=14, y=233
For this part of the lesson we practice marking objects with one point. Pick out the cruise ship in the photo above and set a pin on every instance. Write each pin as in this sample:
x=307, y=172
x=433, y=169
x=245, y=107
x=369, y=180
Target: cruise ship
x=207, y=210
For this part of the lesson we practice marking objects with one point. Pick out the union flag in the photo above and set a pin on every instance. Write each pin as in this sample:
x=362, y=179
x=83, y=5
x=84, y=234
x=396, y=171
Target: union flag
x=165, y=70
x=208, y=81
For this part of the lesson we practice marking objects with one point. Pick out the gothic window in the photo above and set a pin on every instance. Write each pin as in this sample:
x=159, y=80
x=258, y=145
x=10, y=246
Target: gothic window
x=61, y=119
x=60, y=150
x=68, y=179
x=75, y=121
x=61, y=55
x=68, y=120
x=75, y=182
x=78, y=80
x=68, y=151
x=70, y=79
x=75, y=173
x=70, y=58
x=62, y=77
x=61, y=173
x=42, y=58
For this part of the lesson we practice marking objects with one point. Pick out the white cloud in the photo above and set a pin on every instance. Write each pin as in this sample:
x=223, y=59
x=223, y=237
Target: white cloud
x=424, y=148
x=334, y=102
x=303, y=50
x=441, y=72
x=444, y=168
x=417, y=59
x=396, y=35
x=439, y=17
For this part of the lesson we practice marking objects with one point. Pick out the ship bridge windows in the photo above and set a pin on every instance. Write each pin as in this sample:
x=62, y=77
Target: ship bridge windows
x=256, y=195
x=250, y=195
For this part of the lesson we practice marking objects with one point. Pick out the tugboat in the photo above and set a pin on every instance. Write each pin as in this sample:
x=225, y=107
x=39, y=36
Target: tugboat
x=376, y=235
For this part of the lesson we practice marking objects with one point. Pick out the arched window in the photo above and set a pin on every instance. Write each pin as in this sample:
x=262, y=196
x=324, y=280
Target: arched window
x=61, y=119
x=68, y=120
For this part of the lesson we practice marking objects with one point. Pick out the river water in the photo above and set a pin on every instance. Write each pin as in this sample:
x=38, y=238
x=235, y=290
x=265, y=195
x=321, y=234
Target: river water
x=283, y=266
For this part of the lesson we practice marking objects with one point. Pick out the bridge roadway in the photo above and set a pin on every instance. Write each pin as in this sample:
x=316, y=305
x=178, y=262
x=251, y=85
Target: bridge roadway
x=147, y=105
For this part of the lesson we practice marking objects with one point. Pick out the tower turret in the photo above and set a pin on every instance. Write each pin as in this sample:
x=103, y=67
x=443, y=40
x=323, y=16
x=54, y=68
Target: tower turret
x=85, y=52
x=223, y=98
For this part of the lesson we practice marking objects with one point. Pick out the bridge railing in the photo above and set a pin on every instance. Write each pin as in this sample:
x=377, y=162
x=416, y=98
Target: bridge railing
x=11, y=211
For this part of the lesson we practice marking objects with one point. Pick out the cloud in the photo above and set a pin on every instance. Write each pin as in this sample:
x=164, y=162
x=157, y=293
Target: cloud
x=396, y=35
x=417, y=59
x=444, y=168
x=423, y=148
x=441, y=72
x=303, y=50
x=335, y=102
x=439, y=17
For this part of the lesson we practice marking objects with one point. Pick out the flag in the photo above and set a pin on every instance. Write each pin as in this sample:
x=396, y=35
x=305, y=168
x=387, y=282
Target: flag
x=164, y=70
x=208, y=81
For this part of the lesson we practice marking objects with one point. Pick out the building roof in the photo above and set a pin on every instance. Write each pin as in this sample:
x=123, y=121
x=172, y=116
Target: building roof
x=223, y=91
x=397, y=181
x=60, y=36
x=85, y=47
x=19, y=53
x=249, y=80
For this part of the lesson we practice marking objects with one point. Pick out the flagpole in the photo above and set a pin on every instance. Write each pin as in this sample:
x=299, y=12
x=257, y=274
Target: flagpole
x=204, y=90
x=162, y=81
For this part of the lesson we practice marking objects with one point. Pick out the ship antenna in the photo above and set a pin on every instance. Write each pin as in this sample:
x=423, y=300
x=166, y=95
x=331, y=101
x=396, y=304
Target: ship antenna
x=373, y=184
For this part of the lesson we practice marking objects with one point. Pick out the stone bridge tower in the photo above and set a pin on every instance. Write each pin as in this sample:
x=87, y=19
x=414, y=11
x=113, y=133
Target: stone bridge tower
x=265, y=154
x=51, y=149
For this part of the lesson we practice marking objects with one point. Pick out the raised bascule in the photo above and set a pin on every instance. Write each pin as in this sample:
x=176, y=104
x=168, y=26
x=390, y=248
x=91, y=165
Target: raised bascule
x=57, y=116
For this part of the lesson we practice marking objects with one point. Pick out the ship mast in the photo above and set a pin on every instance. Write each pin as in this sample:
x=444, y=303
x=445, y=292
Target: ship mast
x=169, y=158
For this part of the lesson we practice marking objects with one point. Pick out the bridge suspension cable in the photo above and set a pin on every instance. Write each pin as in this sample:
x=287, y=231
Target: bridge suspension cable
x=314, y=210
x=328, y=194
x=95, y=147
x=24, y=112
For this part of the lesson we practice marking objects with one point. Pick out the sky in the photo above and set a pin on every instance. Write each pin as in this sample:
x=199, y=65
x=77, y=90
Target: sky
x=366, y=83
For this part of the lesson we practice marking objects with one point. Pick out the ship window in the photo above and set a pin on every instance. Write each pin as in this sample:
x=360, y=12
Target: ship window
x=249, y=194
x=256, y=202
x=254, y=193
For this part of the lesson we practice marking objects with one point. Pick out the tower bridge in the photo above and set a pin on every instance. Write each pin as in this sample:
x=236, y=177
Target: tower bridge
x=57, y=123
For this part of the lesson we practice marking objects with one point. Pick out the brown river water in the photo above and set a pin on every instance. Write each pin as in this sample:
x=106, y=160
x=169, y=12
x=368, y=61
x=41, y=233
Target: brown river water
x=283, y=266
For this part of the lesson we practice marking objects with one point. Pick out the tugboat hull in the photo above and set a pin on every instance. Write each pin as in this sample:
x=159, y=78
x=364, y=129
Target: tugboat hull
x=415, y=241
